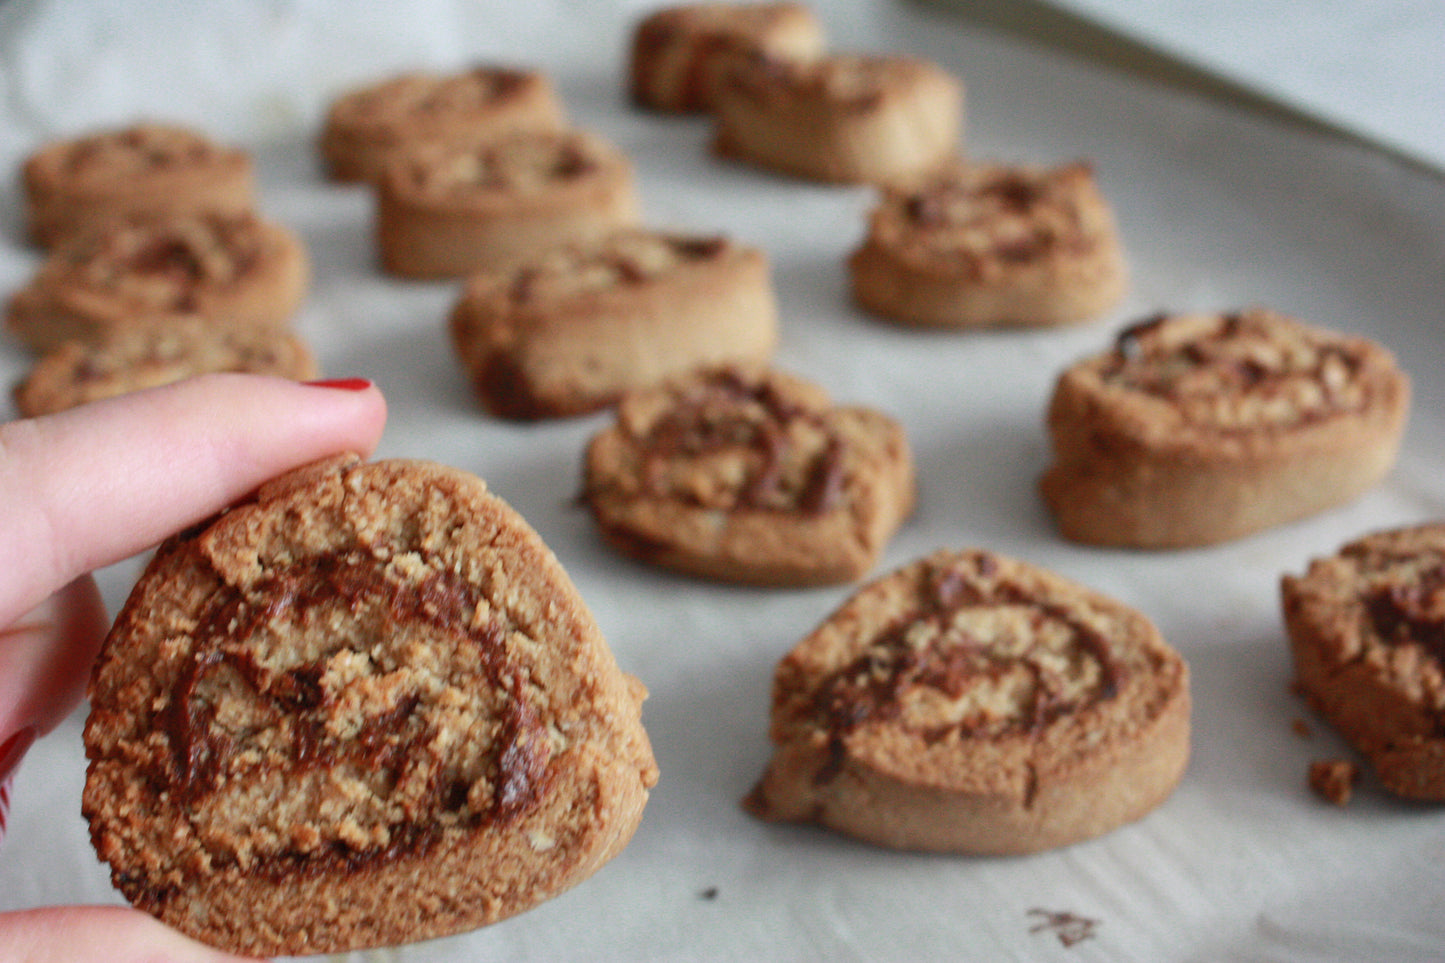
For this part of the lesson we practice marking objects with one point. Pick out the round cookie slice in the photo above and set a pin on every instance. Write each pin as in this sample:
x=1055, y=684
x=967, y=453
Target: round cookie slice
x=1195, y=429
x=970, y=703
x=748, y=474
x=975, y=245
x=1367, y=629
x=236, y=270
x=366, y=708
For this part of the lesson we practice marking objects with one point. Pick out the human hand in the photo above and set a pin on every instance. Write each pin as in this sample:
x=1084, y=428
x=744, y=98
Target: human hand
x=94, y=485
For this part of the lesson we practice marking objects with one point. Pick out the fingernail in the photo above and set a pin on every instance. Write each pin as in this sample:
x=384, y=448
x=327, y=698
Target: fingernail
x=341, y=384
x=12, y=750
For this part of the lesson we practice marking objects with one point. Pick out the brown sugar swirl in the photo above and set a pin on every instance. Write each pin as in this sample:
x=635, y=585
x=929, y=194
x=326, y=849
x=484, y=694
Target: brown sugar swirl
x=749, y=474
x=1243, y=371
x=366, y=708
x=972, y=703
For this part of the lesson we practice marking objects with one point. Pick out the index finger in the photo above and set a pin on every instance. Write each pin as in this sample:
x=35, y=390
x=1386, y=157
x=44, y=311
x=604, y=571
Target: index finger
x=96, y=484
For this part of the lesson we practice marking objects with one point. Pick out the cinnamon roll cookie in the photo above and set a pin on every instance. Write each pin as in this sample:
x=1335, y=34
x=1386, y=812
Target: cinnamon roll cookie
x=236, y=270
x=1367, y=629
x=447, y=212
x=572, y=330
x=678, y=51
x=367, y=127
x=75, y=186
x=749, y=475
x=983, y=245
x=970, y=703
x=845, y=118
x=365, y=708
x=1201, y=428
x=156, y=354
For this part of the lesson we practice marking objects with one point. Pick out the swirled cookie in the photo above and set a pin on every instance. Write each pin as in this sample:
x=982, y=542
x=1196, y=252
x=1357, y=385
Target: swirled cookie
x=1200, y=428
x=575, y=328
x=678, y=51
x=368, y=127
x=168, y=350
x=1367, y=629
x=749, y=475
x=970, y=703
x=366, y=708
x=75, y=186
x=848, y=118
x=446, y=212
x=235, y=270
x=985, y=245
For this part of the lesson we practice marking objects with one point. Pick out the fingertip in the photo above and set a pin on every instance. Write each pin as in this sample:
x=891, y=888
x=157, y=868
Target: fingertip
x=117, y=934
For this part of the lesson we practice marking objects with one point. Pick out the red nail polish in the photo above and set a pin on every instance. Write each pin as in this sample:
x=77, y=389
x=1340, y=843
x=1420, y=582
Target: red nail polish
x=341, y=384
x=12, y=750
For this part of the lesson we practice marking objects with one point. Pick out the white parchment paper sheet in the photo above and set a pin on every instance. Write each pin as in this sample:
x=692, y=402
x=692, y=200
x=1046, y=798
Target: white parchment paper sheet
x=1218, y=211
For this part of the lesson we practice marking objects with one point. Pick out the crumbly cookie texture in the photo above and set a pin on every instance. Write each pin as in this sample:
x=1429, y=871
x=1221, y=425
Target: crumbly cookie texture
x=1196, y=429
x=976, y=245
x=972, y=703
x=677, y=52
x=574, y=329
x=370, y=126
x=749, y=475
x=73, y=187
x=1367, y=630
x=845, y=118
x=366, y=708
x=169, y=350
x=233, y=269
x=449, y=212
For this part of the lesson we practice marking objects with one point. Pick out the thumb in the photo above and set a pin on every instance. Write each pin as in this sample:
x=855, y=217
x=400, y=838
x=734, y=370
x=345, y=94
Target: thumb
x=115, y=934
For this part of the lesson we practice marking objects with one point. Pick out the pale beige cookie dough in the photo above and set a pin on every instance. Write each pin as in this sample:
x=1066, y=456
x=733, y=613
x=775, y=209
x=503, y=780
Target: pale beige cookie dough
x=573, y=329
x=846, y=118
x=749, y=475
x=236, y=270
x=678, y=51
x=1200, y=428
x=1367, y=631
x=449, y=212
x=984, y=245
x=368, y=127
x=366, y=707
x=75, y=186
x=970, y=703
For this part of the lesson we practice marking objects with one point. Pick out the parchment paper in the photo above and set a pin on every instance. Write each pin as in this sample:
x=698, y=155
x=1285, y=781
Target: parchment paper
x=1218, y=210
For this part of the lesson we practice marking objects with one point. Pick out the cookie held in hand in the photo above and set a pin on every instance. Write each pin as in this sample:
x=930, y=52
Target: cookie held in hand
x=749, y=475
x=365, y=708
x=1200, y=428
x=1367, y=629
x=971, y=703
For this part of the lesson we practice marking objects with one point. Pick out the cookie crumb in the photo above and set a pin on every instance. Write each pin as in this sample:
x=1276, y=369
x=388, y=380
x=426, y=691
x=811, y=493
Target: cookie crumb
x=1334, y=779
x=1302, y=729
x=708, y=894
x=1070, y=928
